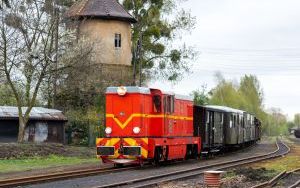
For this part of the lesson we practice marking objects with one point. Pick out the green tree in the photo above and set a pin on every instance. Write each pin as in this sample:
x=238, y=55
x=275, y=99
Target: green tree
x=6, y=99
x=200, y=96
x=277, y=123
x=297, y=120
x=154, y=35
x=226, y=94
x=250, y=89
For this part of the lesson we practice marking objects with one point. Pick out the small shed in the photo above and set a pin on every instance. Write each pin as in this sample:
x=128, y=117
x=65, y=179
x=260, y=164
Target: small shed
x=44, y=125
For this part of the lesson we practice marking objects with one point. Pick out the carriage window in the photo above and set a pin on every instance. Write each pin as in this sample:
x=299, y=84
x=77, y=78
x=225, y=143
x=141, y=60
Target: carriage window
x=242, y=122
x=172, y=103
x=157, y=103
x=207, y=117
x=169, y=104
x=234, y=120
x=222, y=118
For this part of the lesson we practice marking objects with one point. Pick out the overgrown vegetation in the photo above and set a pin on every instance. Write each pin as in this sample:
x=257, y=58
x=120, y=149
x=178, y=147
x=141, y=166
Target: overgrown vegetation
x=31, y=150
x=251, y=174
x=247, y=94
x=288, y=162
x=15, y=165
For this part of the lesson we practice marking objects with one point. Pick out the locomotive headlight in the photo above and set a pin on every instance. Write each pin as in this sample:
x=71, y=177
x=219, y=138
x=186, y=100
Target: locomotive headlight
x=136, y=130
x=121, y=90
x=108, y=130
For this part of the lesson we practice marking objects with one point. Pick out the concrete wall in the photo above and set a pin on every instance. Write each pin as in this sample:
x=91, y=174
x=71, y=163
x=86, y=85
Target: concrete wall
x=102, y=32
x=42, y=131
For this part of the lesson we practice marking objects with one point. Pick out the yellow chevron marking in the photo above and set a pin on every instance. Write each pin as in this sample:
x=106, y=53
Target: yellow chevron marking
x=98, y=140
x=145, y=140
x=144, y=153
x=123, y=125
x=132, y=142
x=112, y=141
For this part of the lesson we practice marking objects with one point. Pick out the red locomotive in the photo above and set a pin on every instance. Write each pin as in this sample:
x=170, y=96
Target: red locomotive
x=147, y=124
x=144, y=124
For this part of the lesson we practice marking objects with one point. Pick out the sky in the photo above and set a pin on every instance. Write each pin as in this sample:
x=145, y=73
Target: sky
x=238, y=37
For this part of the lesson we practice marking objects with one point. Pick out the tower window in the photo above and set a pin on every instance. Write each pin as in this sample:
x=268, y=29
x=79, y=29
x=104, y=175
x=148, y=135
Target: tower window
x=118, y=40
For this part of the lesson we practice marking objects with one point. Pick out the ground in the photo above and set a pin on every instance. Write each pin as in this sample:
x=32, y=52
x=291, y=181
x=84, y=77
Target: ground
x=253, y=174
x=288, y=162
x=20, y=159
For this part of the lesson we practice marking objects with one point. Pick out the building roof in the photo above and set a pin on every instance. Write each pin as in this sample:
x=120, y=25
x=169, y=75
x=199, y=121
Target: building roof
x=37, y=113
x=105, y=9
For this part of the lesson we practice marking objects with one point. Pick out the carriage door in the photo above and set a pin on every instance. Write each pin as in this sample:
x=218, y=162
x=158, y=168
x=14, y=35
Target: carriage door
x=218, y=128
x=209, y=136
x=168, y=111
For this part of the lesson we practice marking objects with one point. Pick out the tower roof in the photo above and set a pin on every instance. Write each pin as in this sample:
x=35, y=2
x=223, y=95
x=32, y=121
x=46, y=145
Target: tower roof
x=105, y=9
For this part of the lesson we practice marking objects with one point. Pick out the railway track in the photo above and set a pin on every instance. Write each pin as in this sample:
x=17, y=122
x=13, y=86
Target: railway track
x=75, y=174
x=281, y=176
x=65, y=175
x=57, y=176
x=282, y=149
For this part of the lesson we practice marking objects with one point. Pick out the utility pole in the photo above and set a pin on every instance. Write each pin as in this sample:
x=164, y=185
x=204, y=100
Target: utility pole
x=56, y=17
x=134, y=66
x=140, y=48
x=134, y=56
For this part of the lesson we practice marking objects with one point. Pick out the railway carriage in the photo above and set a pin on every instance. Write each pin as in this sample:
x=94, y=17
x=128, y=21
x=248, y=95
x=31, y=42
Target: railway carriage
x=147, y=124
x=209, y=125
x=144, y=124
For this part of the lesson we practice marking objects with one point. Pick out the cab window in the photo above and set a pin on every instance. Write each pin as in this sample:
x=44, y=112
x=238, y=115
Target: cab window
x=169, y=104
x=157, y=103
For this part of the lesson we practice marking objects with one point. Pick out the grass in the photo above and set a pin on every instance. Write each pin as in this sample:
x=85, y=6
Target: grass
x=15, y=165
x=284, y=163
x=288, y=162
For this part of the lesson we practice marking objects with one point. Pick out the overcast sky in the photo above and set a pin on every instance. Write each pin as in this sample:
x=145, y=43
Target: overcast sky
x=238, y=37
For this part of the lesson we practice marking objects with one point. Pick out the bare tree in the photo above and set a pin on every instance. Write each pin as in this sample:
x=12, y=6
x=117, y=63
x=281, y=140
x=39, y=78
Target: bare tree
x=4, y=3
x=27, y=50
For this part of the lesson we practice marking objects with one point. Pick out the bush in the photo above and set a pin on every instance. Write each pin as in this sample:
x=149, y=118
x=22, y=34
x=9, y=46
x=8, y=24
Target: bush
x=84, y=127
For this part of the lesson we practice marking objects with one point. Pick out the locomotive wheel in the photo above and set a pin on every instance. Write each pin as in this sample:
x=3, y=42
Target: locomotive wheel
x=195, y=152
x=158, y=155
x=189, y=152
x=192, y=152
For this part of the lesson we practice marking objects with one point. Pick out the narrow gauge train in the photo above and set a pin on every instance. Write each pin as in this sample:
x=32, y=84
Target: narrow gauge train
x=145, y=124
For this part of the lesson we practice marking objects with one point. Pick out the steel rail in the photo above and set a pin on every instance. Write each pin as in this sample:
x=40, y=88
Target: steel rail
x=271, y=182
x=295, y=184
x=276, y=179
x=57, y=176
x=156, y=179
x=62, y=175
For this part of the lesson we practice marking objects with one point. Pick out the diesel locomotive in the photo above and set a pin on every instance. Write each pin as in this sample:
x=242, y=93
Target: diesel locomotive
x=145, y=124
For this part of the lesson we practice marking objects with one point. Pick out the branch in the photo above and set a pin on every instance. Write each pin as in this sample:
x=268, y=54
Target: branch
x=157, y=57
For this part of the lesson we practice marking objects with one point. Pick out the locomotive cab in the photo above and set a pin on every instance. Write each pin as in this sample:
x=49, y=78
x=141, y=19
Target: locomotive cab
x=143, y=124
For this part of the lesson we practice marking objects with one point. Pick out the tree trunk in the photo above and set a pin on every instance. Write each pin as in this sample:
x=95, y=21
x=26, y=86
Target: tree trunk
x=22, y=126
